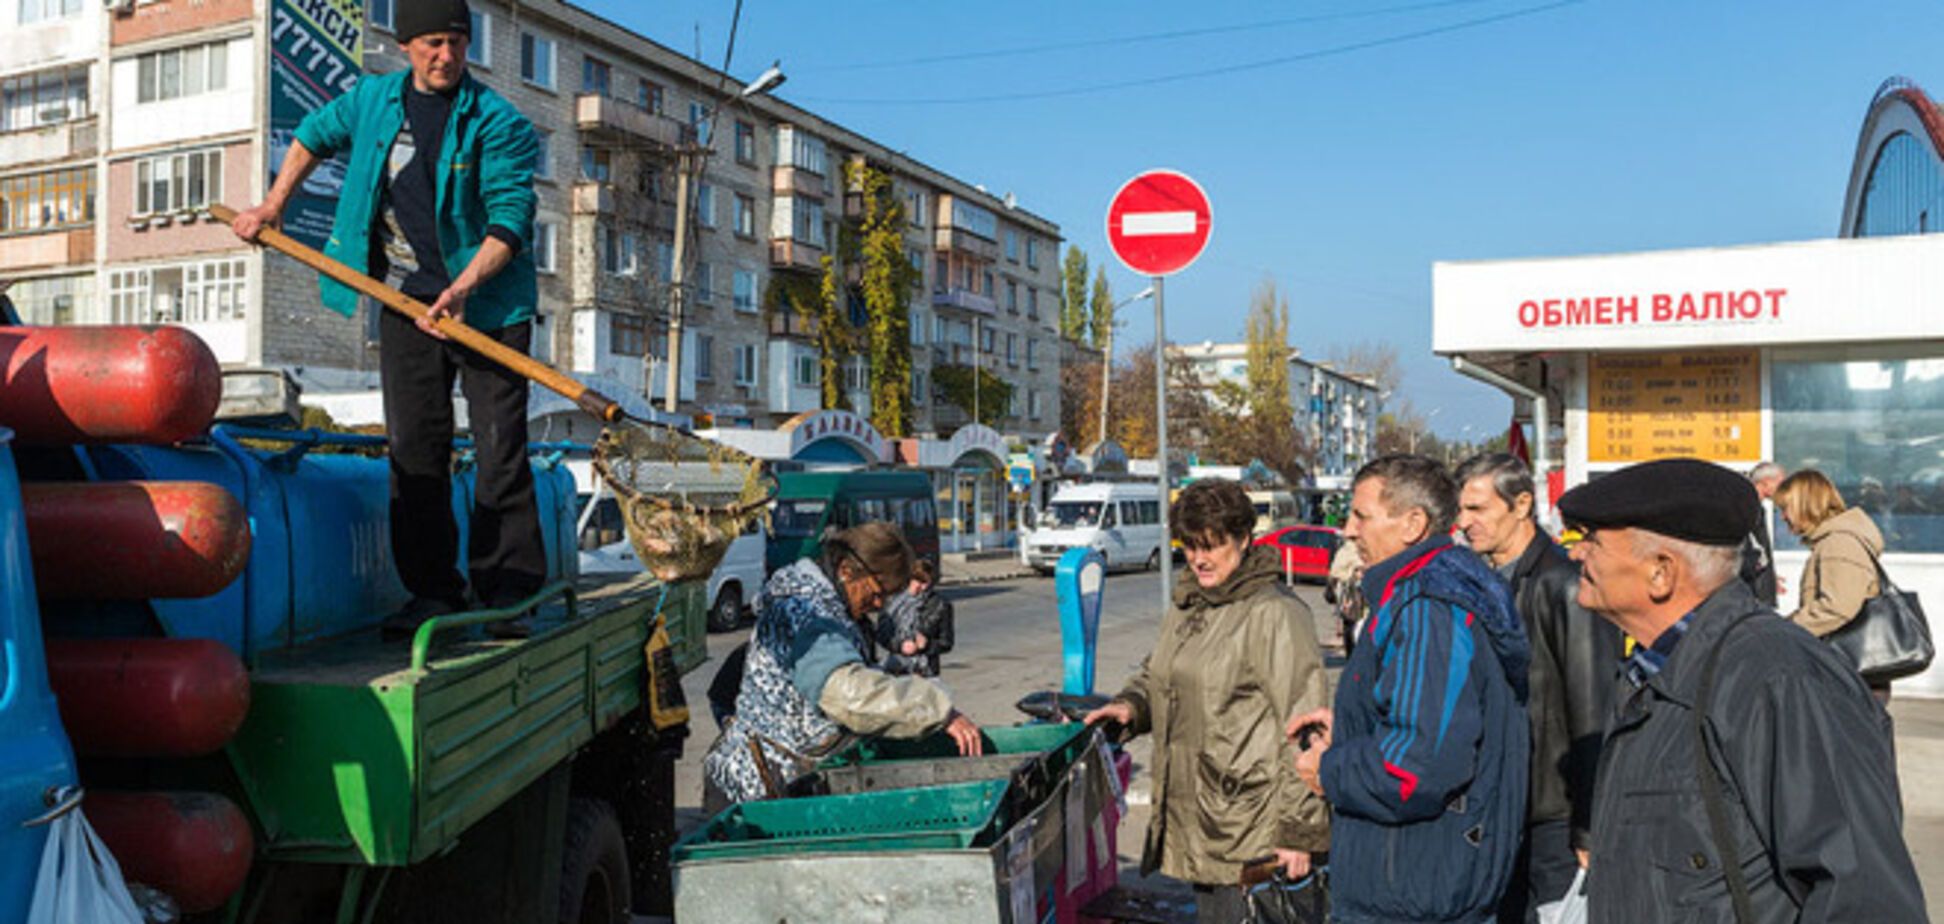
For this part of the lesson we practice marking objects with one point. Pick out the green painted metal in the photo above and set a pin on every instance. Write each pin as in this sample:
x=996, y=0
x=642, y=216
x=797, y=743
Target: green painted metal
x=954, y=817
x=365, y=752
x=422, y=639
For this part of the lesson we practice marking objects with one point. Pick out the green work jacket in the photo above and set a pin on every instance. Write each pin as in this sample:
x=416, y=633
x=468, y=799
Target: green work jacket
x=484, y=177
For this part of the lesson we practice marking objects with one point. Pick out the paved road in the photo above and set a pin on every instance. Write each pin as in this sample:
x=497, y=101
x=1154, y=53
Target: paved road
x=1009, y=645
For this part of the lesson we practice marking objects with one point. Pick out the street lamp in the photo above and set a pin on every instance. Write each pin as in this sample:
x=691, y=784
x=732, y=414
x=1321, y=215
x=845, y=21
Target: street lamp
x=1107, y=355
x=689, y=164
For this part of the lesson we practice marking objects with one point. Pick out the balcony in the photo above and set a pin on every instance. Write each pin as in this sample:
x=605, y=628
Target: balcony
x=965, y=301
x=611, y=201
x=611, y=119
x=788, y=180
x=65, y=141
x=785, y=323
x=959, y=240
x=49, y=248
x=788, y=254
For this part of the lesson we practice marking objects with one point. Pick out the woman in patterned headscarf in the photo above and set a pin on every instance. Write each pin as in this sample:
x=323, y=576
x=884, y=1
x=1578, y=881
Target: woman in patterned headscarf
x=809, y=684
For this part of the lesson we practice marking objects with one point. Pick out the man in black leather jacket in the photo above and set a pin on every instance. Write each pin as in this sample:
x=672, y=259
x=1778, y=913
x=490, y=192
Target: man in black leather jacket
x=1575, y=659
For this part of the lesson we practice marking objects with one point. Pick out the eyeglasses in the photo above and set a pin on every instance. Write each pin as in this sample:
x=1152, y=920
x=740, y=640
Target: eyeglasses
x=878, y=593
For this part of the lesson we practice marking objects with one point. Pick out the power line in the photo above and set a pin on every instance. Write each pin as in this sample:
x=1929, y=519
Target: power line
x=1333, y=51
x=1146, y=38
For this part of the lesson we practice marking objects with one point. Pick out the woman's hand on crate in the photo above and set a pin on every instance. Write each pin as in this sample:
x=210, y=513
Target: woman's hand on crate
x=965, y=733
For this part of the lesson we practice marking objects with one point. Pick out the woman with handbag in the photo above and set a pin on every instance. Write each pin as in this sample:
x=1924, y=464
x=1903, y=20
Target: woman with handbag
x=1841, y=575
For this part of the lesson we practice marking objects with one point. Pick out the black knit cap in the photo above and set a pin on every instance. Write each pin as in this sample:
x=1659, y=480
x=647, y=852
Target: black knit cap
x=414, y=18
x=1682, y=498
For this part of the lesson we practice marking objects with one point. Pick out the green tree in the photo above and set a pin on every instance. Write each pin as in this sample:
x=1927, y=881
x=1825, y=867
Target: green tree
x=1255, y=419
x=991, y=398
x=1073, y=302
x=887, y=280
x=1101, y=313
x=813, y=301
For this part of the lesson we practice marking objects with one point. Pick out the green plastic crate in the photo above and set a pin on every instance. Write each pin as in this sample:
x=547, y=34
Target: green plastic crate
x=1064, y=740
x=953, y=817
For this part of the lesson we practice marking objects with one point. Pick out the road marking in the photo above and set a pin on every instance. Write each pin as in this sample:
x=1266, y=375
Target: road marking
x=1148, y=224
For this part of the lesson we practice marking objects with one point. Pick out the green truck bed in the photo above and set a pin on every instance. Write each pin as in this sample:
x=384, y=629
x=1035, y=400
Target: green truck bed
x=365, y=752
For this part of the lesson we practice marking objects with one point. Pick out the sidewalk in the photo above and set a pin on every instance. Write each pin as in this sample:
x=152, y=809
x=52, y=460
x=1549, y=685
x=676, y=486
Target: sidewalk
x=1920, y=755
x=980, y=567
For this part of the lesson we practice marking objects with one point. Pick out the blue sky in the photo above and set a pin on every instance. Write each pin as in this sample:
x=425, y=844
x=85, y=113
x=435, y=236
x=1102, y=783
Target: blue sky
x=1344, y=171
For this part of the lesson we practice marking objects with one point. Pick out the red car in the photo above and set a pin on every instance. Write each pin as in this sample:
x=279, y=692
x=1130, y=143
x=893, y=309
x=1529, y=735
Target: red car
x=1305, y=550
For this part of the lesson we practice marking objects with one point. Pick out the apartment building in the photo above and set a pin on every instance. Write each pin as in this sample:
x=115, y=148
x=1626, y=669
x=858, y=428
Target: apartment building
x=1335, y=411
x=121, y=124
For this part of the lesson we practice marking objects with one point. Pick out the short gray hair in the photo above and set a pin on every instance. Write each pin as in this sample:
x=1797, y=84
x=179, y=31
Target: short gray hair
x=1764, y=471
x=1510, y=477
x=1710, y=566
x=1414, y=481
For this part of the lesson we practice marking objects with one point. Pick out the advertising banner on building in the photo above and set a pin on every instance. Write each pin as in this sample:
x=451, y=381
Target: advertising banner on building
x=316, y=53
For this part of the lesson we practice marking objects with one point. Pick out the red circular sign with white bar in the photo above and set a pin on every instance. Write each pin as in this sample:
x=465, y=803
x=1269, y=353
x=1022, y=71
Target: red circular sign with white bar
x=1158, y=223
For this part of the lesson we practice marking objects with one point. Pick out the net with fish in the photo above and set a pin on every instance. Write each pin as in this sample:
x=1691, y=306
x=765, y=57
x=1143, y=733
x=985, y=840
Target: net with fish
x=683, y=498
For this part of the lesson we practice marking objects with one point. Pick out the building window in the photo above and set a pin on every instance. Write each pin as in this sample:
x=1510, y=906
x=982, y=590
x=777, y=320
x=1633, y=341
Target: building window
x=129, y=297
x=915, y=208
x=917, y=259
x=544, y=233
x=1012, y=297
x=537, y=60
x=1032, y=354
x=619, y=253
x=704, y=282
x=214, y=291
x=192, y=293
x=744, y=282
x=665, y=260
x=699, y=121
x=704, y=358
x=47, y=201
x=991, y=289
x=379, y=11
x=178, y=182
x=988, y=340
x=596, y=164
x=596, y=77
x=180, y=72
x=745, y=143
x=1012, y=348
x=47, y=98
x=799, y=149
x=54, y=300
x=648, y=95
x=1033, y=411
x=809, y=221
x=627, y=334
x=48, y=10
x=971, y=218
x=543, y=157
x=1012, y=246
x=809, y=374
x=917, y=325
x=943, y=276
x=479, y=46
x=746, y=364
x=705, y=213
x=1032, y=303
x=918, y=391
x=745, y=216
x=1032, y=253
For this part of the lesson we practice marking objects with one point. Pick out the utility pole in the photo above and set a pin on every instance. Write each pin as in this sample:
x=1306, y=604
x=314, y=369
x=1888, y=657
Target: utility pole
x=1106, y=378
x=978, y=366
x=687, y=163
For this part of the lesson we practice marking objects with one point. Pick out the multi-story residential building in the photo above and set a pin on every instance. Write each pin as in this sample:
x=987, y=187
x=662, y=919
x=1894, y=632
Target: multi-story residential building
x=122, y=124
x=1335, y=411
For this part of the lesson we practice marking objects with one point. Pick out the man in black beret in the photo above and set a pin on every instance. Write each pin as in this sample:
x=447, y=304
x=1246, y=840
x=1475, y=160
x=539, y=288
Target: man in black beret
x=1797, y=785
x=438, y=201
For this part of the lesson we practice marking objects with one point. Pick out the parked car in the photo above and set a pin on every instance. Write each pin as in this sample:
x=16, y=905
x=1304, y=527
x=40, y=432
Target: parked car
x=1120, y=520
x=733, y=585
x=807, y=503
x=1274, y=510
x=1305, y=550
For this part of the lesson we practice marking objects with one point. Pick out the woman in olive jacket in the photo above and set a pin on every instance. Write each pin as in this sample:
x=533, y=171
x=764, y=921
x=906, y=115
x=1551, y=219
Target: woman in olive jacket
x=1841, y=574
x=1237, y=656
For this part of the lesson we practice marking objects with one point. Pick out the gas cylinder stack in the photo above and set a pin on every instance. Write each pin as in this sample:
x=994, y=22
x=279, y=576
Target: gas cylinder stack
x=96, y=544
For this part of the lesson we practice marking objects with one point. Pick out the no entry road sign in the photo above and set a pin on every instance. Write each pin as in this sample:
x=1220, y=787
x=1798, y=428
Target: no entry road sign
x=1158, y=223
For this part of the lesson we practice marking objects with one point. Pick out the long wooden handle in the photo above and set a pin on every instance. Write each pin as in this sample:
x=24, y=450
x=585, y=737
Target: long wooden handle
x=593, y=402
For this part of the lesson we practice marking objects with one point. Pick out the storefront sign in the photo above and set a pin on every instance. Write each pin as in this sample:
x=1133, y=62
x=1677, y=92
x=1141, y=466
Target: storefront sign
x=1812, y=292
x=842, y=425
x=316, y=54
x=1700, y=404
x=975, y=438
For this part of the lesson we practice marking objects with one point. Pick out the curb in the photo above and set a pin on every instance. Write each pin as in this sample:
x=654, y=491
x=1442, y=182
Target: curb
x=955, y=580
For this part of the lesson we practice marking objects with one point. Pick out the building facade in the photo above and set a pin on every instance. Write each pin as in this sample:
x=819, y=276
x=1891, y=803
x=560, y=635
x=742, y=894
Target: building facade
x=120, y=125
x=1335, y=411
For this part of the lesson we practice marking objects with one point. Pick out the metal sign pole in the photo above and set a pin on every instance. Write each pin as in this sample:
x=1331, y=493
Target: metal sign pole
x=1161, y=443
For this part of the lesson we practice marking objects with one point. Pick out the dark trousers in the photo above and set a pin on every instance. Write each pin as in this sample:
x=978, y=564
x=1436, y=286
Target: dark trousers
x=1220, y=905
x=505, y=556
x=1542, y=873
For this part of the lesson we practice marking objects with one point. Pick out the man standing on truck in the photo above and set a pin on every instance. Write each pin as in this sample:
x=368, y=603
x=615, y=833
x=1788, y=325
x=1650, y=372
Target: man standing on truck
x=438, y=202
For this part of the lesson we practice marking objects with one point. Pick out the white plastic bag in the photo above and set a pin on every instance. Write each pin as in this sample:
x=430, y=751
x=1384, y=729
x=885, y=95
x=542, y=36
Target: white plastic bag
x=80, y=882
x=1568, y=910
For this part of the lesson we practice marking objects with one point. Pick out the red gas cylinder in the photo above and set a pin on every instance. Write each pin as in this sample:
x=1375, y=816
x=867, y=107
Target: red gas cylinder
x=134, y=540
x=148, y=697
x=194, y=846
x=63, y=385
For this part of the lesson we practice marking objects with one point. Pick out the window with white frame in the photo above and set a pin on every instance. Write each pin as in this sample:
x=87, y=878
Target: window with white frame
x=802, y=150
x=543, y=157
x=537, y=60
x=214, y=290
x=479, y=46
x=746, y=364
x=380, y=13
x=704, y=357
x=32, y=11
x=915, y=208
x=704, y=282
x=45, y=98
x=809, y=372
x=627, y=334
x=630, y=255
x=129, y=297
x=178, y=182
x=705, y=213
x=544, y=236
x=809, y=215
x=180, y=72
x=745, y=216
x=745, y=291
x=856, y=374
x=54, y=300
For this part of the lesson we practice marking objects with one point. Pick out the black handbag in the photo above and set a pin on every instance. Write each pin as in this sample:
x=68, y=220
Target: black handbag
x=1889, y=639
x=1280, y=901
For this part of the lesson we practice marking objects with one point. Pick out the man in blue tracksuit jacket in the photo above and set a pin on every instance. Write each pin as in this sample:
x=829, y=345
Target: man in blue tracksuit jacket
x=1424, y=758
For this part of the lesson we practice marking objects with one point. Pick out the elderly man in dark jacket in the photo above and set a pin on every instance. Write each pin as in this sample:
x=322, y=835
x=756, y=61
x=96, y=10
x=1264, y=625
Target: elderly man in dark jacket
x=1739, y=736
x=1575, y=659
